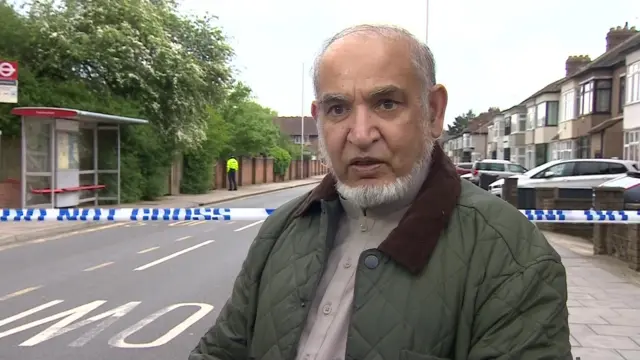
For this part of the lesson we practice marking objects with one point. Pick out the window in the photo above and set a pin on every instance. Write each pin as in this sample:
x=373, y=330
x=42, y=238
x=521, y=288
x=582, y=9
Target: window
x=521, y=155
x=547, y=114
x=531, y=118
x=583, y=148
x=541, y=114
x=297, y=139
x=563, y=150
x=507, y=125
x=592, y=168
x=631, y=145
x=564, y=169
x=515, y=168
x=633, y=83
x=568, y=105
x=489, y=166
x=621, y=96
x=602, y=101
x=552, y=113
x=617, y=168
x=600, y=168
x=586, y=98
x=497, y=129
x=522, y=122
x=531, y=157
x=466, y=141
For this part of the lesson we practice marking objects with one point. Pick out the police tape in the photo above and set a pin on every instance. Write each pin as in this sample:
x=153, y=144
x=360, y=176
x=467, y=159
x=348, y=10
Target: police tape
x=256, y=214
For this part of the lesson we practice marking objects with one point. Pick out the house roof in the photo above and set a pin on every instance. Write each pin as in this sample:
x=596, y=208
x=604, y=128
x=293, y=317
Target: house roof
x=291, y=125
x=554, y=87
x=612, y=57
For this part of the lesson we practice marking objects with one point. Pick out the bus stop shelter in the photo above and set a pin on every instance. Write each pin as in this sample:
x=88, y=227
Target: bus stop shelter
x=70, y=158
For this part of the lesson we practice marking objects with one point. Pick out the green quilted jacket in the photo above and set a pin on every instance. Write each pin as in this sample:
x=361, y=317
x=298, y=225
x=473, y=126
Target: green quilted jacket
x=464, y=276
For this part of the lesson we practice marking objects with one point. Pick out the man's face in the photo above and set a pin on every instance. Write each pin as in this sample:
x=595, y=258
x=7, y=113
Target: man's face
x=374, y=127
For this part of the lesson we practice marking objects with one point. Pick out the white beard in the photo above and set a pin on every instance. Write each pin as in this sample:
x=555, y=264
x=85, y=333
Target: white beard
x=368, y=196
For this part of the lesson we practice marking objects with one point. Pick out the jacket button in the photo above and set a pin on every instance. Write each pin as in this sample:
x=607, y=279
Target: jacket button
x=371, y=261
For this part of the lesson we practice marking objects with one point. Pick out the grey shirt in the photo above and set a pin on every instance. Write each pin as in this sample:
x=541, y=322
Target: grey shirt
x=325, y=334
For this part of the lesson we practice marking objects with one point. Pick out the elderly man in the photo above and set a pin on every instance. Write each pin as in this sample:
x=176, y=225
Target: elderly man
x=392, y=256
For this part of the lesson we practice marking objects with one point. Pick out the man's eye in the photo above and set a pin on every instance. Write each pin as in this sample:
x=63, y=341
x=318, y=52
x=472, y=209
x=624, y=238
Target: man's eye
x=336, y=110
x=388, y=104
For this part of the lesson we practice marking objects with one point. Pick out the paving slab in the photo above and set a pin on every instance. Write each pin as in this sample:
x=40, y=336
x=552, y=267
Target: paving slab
x=603, y=302
x=16, y=232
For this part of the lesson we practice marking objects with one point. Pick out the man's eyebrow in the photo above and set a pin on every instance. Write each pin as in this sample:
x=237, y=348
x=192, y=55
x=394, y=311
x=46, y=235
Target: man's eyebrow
x=385, y=90
x=333, y=97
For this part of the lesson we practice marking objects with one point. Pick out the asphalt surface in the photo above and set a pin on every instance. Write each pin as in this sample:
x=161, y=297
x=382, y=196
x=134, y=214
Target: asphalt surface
x=136, y=291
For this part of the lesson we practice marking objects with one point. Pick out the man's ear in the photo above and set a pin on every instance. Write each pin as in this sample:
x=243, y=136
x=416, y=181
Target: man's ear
x=438, y=99
x=314, y=110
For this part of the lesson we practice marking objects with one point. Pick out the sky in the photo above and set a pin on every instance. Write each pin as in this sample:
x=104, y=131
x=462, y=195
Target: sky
x=488, y=53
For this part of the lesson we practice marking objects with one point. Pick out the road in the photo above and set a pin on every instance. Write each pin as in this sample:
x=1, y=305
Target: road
x=133, y=291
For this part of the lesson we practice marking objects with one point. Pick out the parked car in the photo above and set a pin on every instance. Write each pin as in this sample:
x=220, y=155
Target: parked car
x=630, y=183
x=499, y=168
x=574, y=173
x=464, y=168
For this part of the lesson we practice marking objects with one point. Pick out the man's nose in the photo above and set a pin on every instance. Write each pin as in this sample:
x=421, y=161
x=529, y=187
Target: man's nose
x=364, y=130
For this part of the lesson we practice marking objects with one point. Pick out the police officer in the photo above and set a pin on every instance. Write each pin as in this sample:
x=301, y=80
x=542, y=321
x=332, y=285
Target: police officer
x=232, y=169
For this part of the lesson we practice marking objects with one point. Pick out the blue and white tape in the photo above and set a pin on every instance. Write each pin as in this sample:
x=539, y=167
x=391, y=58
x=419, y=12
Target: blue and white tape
x=256, y=214
x=134, y=214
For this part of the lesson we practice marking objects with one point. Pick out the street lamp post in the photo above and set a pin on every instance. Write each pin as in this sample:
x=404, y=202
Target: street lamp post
x=302, y=125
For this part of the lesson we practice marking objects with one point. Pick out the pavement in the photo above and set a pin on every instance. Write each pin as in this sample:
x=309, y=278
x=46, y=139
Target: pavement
x=148, y=291
x=603, y=301
x=20, y=232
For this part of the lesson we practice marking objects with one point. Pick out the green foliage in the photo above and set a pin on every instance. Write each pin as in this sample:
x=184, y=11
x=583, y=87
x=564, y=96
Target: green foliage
x=281, y=160
x=460, y=123
x=141, y=59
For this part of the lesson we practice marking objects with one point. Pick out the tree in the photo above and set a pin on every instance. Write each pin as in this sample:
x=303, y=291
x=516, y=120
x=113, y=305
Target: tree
x=460, y=123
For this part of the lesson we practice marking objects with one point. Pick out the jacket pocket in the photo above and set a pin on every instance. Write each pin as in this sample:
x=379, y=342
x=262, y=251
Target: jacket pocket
x=412, y=355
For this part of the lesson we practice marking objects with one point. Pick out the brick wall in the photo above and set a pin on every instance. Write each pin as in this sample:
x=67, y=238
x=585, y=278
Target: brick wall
x=253, y=171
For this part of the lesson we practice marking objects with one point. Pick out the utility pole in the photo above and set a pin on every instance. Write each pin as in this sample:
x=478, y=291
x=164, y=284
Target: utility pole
x=302, y=125
x=426, y=30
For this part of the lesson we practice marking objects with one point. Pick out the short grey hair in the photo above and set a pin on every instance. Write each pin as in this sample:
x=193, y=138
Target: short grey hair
x=421, y=56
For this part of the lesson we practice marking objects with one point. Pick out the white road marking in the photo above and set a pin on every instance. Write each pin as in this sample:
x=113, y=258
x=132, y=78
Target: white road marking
x=19, y=292
x=230, y=222
x=23, y=314
x=98, y=266
x=120, y=339
x=169, y=257
x=148, y=250
x=184, y=238
x=250, y=225
x=136, y=224
x=65, y=325
x=178, y=223
x=194, y=223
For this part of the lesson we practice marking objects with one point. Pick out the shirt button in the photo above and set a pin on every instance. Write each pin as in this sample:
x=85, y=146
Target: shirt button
x=347, y=264
x=326, y=309
x=363, y=228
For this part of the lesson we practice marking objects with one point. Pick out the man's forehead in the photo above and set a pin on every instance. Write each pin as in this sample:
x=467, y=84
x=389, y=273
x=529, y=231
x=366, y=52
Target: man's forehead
x=365, y=63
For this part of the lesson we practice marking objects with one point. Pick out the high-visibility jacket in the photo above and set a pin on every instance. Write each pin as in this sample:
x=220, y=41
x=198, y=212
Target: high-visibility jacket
x=232, y=164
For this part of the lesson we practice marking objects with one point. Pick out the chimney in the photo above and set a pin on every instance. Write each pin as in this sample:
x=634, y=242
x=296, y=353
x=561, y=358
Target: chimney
x=575, y=63
x=618, y=35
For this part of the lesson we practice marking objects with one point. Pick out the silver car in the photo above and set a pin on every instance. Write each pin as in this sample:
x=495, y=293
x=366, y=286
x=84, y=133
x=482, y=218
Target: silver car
x=500, y=168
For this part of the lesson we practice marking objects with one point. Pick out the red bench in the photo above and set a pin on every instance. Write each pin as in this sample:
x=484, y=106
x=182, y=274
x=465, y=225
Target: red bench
x=71, y=189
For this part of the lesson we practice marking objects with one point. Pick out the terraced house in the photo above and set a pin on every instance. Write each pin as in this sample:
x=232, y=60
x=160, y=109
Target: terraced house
x=471, y=144
x=592, y=112
x=593, y=101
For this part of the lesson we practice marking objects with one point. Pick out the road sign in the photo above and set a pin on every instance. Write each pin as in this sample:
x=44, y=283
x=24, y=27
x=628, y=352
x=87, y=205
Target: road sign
x=8, y=70
x=8, y=82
